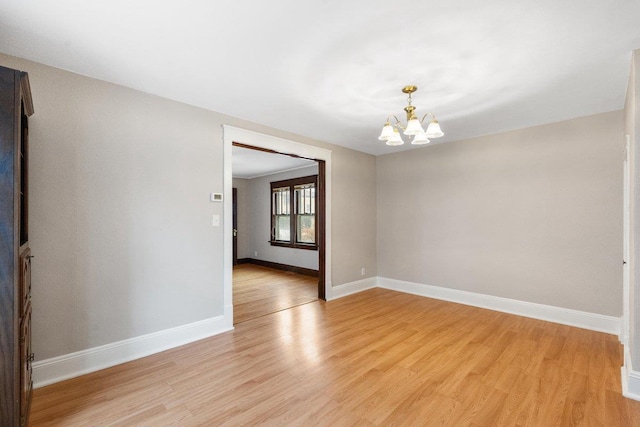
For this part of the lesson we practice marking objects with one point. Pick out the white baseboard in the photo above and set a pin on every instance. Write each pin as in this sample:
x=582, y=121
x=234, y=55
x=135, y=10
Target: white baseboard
x=352, y=288
x=71, y=365
x=565, y=316
x=630, y=378
x=228, y=317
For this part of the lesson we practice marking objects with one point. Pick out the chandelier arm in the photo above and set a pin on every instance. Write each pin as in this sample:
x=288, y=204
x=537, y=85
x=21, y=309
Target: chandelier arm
x=398, y=123
x=425, y=116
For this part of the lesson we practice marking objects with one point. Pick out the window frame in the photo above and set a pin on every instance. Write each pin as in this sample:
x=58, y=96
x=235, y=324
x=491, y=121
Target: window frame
x=293, y=214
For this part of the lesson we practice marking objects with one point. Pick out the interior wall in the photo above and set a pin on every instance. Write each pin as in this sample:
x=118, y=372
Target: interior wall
x=120, y=211
x=259, y=222
x=354, y=203
x=532, y=215
x=243, y=216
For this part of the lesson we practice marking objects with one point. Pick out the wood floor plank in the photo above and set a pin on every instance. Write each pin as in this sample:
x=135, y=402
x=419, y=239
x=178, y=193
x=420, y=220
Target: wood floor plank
x=258, y=291
x=378, y=358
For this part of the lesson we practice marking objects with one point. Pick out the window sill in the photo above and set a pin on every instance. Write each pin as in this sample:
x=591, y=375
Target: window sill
x=311, y=247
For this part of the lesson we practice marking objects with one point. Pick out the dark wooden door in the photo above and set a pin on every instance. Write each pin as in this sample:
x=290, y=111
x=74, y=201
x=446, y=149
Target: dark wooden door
x=235, y=226
x=320, y=209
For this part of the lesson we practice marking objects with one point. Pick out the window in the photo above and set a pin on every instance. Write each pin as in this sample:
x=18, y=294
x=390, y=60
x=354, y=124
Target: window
x=293, y=213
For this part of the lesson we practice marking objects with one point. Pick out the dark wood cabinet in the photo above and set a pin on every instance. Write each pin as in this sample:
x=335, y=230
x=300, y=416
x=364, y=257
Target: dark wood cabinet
x=15, y=256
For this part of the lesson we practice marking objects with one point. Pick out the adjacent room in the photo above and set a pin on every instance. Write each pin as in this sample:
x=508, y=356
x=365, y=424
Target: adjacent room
x=275, y=244
x=321, y=213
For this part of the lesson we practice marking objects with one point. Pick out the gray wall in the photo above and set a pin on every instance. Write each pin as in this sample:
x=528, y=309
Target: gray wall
x=120, y=212
x=533, y=215
x=258, y=206
x=354, y=202
x=121, y=222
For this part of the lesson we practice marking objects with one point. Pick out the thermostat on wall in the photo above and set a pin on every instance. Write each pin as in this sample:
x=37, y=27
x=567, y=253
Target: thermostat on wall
x=216, y=197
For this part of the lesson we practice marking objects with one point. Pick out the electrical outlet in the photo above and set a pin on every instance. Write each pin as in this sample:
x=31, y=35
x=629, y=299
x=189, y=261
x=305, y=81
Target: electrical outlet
x=255, y=253
x=362, y=271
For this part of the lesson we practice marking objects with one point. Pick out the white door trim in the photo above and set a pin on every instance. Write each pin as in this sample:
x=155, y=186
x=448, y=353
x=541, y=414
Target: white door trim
x=233, y=134
x=626, y=240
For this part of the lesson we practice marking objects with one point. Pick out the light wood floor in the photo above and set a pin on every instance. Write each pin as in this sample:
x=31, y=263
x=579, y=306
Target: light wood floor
x=375, y=358
x=260, y=290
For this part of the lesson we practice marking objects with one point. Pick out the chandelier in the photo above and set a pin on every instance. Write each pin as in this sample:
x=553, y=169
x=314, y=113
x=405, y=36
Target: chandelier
x=391, y=133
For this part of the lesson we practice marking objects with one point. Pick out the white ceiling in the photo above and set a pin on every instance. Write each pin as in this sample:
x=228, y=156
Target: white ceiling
x=248, y=163
x=333, y=69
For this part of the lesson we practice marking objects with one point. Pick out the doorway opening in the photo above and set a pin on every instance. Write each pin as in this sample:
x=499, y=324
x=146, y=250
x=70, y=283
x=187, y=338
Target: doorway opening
x=260, y=140
x=279, y=205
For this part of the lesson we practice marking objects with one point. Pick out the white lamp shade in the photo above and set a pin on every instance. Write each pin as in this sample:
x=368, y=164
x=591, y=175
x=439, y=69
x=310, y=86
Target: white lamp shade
x=396, y=139
x=387, y=132
x=420, y=138
x=434, y=131
x=413, y=127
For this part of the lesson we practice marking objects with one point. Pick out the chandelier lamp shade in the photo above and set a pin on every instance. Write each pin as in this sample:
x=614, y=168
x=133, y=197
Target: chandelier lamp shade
x=391, y=131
